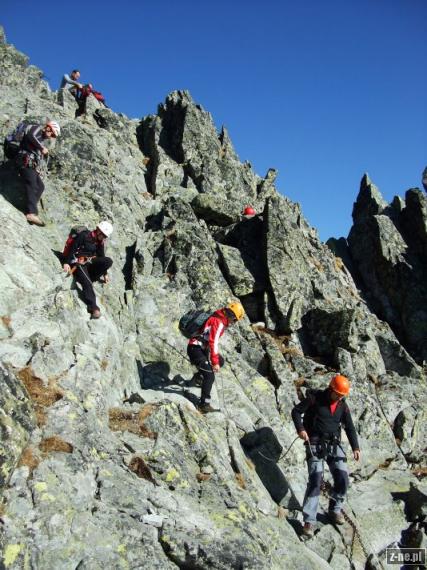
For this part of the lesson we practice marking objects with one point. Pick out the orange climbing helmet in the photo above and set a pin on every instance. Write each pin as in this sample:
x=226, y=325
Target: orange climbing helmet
x=237, y=309
x=340, y=385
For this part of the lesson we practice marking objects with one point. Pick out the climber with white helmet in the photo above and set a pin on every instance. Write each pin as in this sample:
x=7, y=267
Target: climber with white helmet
x=29, y=160
x=85, y=259
x=325, y=411
x=203, y=352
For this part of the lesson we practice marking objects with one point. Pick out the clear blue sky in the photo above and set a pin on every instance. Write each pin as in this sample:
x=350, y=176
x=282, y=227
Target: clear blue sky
x=322, y=90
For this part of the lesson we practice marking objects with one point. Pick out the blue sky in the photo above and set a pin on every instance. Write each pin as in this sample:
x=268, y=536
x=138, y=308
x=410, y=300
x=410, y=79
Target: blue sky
x=322, y=90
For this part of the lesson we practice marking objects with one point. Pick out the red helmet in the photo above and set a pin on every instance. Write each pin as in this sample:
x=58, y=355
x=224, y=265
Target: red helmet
x=249, y=211
x=340, y=385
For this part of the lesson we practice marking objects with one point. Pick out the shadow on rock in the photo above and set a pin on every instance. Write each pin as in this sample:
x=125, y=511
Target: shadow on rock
x=11, y=187
x=155, y=376
x=264, y=450
x=415, y=503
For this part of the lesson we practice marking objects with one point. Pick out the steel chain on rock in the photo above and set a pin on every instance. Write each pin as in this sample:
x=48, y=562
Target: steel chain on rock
x=326, y=488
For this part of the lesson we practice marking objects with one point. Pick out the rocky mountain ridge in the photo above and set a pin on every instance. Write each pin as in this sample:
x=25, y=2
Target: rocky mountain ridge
x=105, y=461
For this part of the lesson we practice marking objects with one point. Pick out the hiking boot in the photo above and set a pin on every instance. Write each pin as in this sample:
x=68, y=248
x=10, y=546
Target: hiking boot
x=308, y=530
x=34, y=219
x=206, y=409
x=336, y=517
x=95, y=314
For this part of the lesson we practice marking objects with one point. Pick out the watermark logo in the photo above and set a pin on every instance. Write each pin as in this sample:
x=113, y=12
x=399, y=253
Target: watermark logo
x=407, y=556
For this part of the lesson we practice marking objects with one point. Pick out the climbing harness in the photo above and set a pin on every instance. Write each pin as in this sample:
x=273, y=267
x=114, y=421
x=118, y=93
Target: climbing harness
x=81, y=260
x=327, y=447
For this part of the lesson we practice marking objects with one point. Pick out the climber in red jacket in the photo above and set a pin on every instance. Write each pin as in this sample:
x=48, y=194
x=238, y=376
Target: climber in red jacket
x=203, y=351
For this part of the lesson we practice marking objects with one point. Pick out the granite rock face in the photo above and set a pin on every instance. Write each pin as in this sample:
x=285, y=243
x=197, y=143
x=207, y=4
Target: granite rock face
x=387, y=254
x=105, y=462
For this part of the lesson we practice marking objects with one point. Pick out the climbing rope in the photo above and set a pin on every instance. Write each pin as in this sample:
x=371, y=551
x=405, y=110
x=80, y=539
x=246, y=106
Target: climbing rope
x=282, y=456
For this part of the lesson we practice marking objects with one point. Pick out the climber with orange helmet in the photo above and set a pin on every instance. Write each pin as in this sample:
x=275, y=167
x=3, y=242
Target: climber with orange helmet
x=84, y=258
x=28, y=160
x=318, y=420
x=203, y=351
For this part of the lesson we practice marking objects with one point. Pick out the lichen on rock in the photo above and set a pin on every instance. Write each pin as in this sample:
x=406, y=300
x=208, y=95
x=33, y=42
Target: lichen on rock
x=104, y=460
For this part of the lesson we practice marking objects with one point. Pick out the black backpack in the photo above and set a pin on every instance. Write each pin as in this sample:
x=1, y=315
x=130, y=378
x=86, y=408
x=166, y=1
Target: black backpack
x=74, y=232
x=12, y=142
x=191, y=323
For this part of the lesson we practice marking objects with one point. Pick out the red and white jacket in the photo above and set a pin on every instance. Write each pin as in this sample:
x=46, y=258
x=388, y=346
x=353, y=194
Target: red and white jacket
x=209, y=336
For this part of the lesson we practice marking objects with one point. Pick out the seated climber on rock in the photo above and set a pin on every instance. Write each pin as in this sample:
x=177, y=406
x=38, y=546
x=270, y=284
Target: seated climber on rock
x=71, y=83
x=324, y=412
x=29, y=162
x=424, y=179
x=203, y=352
x=82, y=95
x=85, y=259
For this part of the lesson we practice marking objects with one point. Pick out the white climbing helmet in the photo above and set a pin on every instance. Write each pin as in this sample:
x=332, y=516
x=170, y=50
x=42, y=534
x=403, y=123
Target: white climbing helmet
x=106, y=228
x=56, y=129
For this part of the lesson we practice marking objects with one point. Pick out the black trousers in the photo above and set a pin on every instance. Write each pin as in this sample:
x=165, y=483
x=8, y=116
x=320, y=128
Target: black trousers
x=34, y=188
x=86, y=274
x=200, y=358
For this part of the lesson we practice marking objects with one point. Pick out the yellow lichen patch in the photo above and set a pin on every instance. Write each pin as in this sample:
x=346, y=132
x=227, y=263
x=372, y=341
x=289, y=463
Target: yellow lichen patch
x=133, y=422
x=42, y=396
x=48, y=497
x=262, y=385
x=193, y=436
x=55, y=443
x=240, y=480
x=121, y=549
x=233, y=516
x=243, y=510
x=70, y=396
x=40, y=486
x=29, y=458
x=172, y=474
x=11, y=553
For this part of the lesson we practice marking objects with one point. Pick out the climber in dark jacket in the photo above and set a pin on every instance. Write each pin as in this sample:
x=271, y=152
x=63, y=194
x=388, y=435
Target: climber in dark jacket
x=324, y=412
x=30, y=155
x=424, y=179
x=87, y=262
x=203, y=349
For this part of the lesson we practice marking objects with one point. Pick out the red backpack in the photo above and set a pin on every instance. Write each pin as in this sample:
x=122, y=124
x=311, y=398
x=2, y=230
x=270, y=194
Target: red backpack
x=99, y=96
